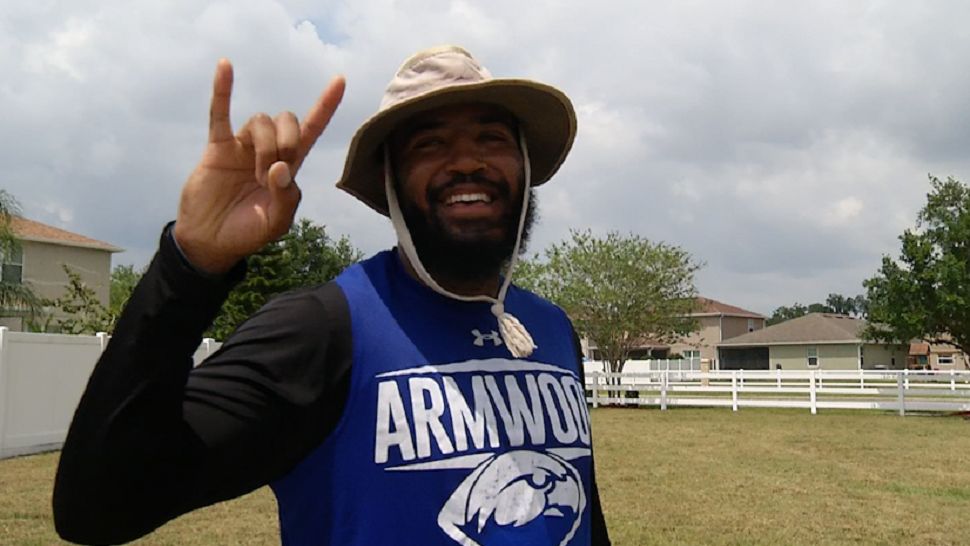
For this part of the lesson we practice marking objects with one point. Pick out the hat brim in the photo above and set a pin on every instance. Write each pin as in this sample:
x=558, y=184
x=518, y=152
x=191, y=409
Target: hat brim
x=545, y=115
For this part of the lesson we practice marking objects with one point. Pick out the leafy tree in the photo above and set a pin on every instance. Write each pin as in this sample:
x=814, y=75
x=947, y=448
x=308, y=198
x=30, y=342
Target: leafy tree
x=81, y=312
x=783, y=313
x=842, y=305
x=834, y=303
x=16, y=298
x=925, y=294
x=620, y=291
x=124, y=278
x=303, y=257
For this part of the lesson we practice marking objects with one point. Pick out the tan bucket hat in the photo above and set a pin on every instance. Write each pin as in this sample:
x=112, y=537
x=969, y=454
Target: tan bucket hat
x=449, y=75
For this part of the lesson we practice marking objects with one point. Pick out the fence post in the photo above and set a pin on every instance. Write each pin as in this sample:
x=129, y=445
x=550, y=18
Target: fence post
x=734, y=390
x=741, y=378
x=900, y=384
x=778, y=373
x=3, y=386
x=595, y=389
x=663, y=391
x=906, y=378
x=862, y=379
x=103, y=339
x=813, y=399
x=953, y=383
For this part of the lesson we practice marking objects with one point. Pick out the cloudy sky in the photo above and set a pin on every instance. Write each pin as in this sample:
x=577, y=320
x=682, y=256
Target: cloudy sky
x=784, y=144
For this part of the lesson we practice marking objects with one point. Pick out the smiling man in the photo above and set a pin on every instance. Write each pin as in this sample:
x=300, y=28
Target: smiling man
x=419, y=398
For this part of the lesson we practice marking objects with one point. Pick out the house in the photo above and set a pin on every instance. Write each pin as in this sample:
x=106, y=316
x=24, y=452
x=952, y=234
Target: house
x=39, y=263
x=717, y=322
x=816, y=341
x=937, y=356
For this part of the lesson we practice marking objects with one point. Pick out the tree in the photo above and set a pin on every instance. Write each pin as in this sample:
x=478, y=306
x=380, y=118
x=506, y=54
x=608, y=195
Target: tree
x=834, y=303
x=124, y=278
x=16, y=298
x=81, y=312
x=926, y=293
x=620, y=291
x=783, y=313
x=305, y=256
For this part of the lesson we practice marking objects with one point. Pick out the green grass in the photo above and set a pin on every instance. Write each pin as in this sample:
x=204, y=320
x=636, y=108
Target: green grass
x=684, y=476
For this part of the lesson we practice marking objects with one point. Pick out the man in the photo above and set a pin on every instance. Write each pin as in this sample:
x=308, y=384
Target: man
x=417, y=399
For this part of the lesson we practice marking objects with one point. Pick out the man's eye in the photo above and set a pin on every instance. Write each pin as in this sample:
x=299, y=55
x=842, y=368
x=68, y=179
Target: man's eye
x=426, y=143
x=496, y=136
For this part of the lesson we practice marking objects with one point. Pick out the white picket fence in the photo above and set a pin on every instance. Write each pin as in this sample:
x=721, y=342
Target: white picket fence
x=42, y=377
x=900, y=391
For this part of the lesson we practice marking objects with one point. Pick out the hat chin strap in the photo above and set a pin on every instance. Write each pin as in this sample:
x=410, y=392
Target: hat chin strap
x=513, y=333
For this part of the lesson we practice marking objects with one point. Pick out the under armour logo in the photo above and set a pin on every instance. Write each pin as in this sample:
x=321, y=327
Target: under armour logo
x=480, y=338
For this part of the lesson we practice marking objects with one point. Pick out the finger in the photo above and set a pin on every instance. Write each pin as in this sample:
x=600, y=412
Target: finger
x=220, y=129
x=318, y=118
x=284, y=198
x=259, y=133
x=287, y=136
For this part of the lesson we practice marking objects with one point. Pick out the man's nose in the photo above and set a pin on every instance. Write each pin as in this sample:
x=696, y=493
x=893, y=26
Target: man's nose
x=465, y=157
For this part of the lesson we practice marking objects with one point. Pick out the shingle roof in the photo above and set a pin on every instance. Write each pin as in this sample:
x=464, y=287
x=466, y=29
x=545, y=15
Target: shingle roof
x=708, y=307
x=811, y=328
x=30, y=230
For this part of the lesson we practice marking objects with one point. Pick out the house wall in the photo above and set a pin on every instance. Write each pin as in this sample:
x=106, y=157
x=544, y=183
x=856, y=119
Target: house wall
x=43, y=268
x=712, y=331
x=890, y=357
x=704, y=339
x=736, y=326
x=960, y=360
x=830, y=357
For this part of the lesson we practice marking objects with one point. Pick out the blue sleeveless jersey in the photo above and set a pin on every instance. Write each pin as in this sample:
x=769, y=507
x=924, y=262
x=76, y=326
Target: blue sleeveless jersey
x=445, y=438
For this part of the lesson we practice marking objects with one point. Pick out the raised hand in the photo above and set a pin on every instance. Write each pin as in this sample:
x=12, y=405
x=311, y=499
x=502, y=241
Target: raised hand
x=242, y=194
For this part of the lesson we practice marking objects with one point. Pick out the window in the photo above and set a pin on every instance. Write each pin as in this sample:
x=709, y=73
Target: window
x=945, y=360
x=751, y=325
x=692, y=354
x=811, y=354
x=12, y=266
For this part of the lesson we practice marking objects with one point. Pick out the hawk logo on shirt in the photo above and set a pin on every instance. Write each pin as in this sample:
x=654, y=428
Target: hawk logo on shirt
x=481, y=338
x=514, y=490
x=513, y=428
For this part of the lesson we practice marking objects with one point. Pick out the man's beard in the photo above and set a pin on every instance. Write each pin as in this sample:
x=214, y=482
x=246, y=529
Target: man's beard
x=448, y=255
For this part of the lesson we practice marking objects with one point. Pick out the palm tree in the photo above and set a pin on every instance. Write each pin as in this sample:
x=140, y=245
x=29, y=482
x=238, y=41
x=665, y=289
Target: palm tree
x=16, y=298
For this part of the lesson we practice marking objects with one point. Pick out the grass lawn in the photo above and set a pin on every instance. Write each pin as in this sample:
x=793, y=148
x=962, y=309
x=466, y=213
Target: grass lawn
x=684, y=476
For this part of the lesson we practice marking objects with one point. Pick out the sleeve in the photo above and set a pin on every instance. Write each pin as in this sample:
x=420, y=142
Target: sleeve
x=600, y=536
x=153, y=437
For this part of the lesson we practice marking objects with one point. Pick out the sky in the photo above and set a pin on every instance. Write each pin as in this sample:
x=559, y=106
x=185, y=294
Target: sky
x=785, y=145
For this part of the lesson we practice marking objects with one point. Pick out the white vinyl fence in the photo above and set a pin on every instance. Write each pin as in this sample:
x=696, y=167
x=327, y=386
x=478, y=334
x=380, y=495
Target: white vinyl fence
x=42, y=377
x=899, y=391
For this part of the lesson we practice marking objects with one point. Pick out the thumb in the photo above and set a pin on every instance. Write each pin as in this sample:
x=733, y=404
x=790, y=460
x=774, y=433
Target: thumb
x=284, y=198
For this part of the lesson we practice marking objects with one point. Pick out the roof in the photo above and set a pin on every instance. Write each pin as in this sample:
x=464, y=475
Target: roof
x=811, y=328
x=30, y=230
x=708, y=307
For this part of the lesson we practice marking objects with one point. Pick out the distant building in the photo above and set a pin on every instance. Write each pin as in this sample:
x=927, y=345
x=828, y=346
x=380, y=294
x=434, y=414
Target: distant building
x=816, y=341
x=925, y=356
x=717, y=322
x=39, y=263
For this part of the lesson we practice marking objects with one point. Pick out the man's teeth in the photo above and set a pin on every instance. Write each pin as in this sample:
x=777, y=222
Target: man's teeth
x=469, y=198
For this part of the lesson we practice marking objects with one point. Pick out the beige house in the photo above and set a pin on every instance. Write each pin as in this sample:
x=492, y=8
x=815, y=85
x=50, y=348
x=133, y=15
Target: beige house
x=816, y=341
x=937, y=356
x=717, y=322
x=44, y=252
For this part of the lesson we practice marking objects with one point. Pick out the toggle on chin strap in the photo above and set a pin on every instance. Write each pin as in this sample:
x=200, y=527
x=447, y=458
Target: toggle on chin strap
x=513, y=333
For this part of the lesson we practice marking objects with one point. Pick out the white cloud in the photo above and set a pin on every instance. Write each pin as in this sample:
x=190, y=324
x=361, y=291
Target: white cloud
x=786, y=145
